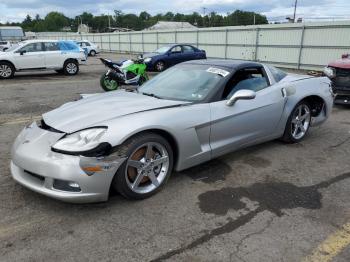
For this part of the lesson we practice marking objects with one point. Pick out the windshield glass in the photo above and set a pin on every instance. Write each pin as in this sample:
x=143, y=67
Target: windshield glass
x=185, y=83
x=162, y=49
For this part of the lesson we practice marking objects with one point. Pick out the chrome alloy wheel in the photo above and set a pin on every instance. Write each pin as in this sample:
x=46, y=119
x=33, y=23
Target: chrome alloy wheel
x=5, y=71
x=71, y=68
x=300, y=121
x=160, y=66
x=147, y=167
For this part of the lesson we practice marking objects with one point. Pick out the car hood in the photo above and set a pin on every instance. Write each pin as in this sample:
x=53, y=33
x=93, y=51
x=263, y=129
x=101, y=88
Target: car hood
x=95, y=110
x=147, y=55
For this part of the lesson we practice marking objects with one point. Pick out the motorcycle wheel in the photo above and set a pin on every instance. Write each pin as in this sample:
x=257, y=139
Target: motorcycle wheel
x=108, y=84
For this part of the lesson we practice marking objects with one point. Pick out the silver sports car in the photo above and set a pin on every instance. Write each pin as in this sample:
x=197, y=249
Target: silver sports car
x=189, y=114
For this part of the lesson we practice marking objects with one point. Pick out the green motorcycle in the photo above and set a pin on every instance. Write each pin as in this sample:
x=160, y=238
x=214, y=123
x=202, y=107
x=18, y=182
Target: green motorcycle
x=128, y=72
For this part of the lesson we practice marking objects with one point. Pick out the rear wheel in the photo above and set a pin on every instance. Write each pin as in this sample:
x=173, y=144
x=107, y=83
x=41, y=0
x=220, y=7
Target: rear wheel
x=148, y=165
x=7, y=70
x=71, y=67
x=298, y=123
x=108, y=84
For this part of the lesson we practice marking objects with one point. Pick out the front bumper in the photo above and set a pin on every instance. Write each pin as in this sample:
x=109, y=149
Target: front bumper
x=36, y=167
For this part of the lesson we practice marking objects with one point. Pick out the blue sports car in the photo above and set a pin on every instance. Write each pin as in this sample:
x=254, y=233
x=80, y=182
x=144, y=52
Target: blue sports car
x=169, y=55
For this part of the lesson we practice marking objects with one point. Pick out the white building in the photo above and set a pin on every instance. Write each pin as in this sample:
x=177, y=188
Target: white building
x=165, y=25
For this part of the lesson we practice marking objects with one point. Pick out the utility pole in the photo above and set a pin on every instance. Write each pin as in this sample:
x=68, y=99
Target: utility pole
x=254, y=19
x=295, y=10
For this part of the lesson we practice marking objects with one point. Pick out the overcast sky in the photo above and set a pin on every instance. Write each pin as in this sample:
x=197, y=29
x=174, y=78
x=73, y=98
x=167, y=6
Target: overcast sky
x=16, y=10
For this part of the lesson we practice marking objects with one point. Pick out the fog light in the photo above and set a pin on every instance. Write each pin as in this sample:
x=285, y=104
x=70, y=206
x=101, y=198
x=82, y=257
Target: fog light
x=69, y=186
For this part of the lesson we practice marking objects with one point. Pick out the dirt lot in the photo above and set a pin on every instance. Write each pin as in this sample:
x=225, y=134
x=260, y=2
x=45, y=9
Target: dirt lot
x=272, y=202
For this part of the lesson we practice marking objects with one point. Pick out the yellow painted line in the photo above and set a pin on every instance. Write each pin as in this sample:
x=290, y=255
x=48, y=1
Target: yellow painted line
x=332, y=246
x=20, y=120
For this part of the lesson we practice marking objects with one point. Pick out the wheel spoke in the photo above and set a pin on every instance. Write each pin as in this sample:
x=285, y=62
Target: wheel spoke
x=138, y=179
x=294, y=121
x=305, y=116
x=135, y=163
x=153, y=178
x=159, y=161
x=149, y=152
x=302, y=128
x=295, y=131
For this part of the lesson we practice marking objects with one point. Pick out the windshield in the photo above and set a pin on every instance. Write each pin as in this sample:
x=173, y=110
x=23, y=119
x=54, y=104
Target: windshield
x=162, y=49
x=185, y=83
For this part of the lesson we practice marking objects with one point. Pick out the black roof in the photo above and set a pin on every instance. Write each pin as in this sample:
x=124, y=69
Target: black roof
x=228, y=63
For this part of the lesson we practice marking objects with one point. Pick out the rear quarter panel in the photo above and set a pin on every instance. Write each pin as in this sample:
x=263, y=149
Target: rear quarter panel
x=298, y=90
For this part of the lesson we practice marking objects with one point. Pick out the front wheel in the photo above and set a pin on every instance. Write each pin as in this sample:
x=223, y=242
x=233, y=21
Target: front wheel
x=298, y=123
x=108, y=84
x=92, y=53
x=160, y=66
x=148, y=165
x=6, y=70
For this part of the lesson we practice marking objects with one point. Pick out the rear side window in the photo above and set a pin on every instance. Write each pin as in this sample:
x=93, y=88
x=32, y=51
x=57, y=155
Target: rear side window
x=52, y=46
x=187, y=49
x=87, y=44
x=68, y=46
x=277, y=73
x=3, y=43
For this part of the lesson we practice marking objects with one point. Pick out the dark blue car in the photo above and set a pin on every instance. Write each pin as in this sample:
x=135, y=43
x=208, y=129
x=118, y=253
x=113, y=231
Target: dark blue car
x=169, y=55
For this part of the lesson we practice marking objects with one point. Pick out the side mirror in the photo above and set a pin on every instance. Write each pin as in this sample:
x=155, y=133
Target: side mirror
x=23, y=52
x=243, y=94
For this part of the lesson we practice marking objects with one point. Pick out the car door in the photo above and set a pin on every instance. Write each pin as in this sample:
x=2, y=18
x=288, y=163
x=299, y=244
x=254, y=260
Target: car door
x=247, y=121
x=30, y=56
x=189, y=53
x=175, y=55
x=53, y=57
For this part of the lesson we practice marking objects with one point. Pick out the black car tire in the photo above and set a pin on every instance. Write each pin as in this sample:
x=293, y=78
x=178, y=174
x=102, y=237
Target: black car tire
x=121, y=181
x=288, y=136
x=159, y=66
x=71, y=67
x=10, y=70
x=92, y=53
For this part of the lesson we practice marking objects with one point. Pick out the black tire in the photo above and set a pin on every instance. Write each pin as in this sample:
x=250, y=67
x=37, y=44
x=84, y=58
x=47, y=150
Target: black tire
x=120, y=182
x=71, y=67
x=4, y=49
x=288, y=132
x=160, y=66
x=7, y=70
x=92, y=53
x=107, y=84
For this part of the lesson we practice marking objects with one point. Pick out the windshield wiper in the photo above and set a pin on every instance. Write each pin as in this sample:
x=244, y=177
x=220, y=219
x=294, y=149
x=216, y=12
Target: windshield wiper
x=151, y=95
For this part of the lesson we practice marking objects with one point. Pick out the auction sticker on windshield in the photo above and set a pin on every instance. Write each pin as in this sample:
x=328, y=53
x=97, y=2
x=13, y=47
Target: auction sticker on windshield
x=218, y=71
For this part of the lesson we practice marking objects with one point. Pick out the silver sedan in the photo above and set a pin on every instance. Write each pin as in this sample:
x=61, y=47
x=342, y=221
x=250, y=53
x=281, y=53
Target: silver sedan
x=189, y=114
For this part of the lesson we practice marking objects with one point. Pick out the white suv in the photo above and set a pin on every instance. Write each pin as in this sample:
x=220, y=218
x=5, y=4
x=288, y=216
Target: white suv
x=92, y=49
x=62, y=56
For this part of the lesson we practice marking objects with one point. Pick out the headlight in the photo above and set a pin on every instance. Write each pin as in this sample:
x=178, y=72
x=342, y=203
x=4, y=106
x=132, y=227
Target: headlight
x=147, y=60
x=329, y=72
x=81, y=141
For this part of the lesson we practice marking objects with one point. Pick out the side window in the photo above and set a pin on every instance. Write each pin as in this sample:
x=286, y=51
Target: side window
x=187, y=49
x=176, y=49
x=87, y=44
x=277, y=73
x=249, y=78
x=33, y=47
x=51, y=46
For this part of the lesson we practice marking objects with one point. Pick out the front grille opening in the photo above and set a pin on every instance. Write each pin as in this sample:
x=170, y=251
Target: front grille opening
x=44, y=126
x=36, y=176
